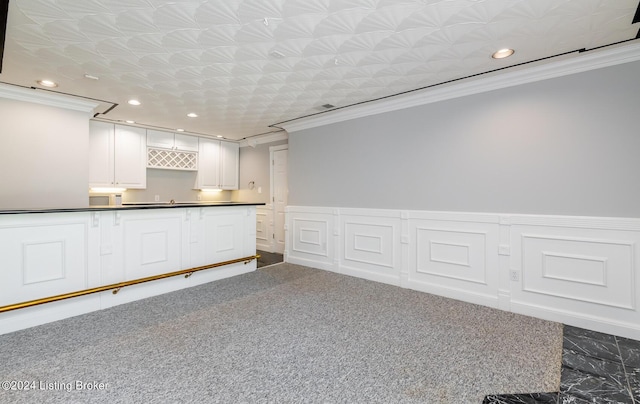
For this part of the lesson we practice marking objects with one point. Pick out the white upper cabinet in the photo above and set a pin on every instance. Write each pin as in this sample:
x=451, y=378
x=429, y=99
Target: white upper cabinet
x=209, y=164
x=218, y=165
x=173, y=141
x=229, y=165
x=101, y=144
x=117, y=156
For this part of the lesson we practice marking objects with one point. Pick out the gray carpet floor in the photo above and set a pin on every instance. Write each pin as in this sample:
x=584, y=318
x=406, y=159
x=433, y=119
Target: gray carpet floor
x=285, y=334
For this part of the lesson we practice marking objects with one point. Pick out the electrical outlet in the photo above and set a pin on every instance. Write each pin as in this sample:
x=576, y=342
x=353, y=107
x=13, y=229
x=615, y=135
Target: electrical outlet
x=515, y=275
x=157, y=198
x=199, y=197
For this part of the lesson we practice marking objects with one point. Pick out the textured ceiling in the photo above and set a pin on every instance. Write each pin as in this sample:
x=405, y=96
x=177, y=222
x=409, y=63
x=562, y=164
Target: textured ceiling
x=243, y=65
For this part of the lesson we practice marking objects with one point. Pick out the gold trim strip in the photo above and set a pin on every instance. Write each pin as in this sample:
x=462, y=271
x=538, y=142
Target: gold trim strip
x=117, y=286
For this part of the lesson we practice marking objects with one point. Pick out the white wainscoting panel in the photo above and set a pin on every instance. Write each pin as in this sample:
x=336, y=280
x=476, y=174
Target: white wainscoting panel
x=456, y=259
x=45, y=255
x=310, y=238
x=581, y=271
x=582, y=276
x=152, y=245
x=371, y=247
x=264, y=228
x=46, y=259
x=224, y=236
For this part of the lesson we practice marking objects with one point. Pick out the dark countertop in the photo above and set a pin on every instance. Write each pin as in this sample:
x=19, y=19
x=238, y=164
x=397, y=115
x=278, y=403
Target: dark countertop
x=130, y=206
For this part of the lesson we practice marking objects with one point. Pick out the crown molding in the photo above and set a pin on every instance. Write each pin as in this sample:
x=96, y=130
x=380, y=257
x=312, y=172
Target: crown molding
x=583, y=62
x=51, y=99
x=266, y=138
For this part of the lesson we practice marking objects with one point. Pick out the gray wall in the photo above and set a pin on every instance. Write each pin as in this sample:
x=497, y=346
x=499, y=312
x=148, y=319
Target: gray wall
x=255, y=166
x=44, y=157
x=561, y=146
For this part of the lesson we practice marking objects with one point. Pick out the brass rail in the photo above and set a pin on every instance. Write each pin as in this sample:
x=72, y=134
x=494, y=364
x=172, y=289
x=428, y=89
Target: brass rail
x=117, y=286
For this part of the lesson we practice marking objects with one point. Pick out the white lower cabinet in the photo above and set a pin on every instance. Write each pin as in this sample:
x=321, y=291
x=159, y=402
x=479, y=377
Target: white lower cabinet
x=218, y=165
x=117, y=156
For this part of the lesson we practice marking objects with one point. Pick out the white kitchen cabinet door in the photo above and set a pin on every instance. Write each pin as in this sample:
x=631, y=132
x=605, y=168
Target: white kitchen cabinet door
x=170, y=140
x=101, y=135
x=208, y=164
x=186, y=142
x=130, y=157
x=229, y=163
x=157, y=138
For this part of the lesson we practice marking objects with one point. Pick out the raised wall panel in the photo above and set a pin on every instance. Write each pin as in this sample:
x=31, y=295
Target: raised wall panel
x=311, y=236
x=42, y=260
x=596, y=271
x=371, y=247
x=454, y=254
x=224, y=237
x=152, y=245
x=455, y=258
x=580, y=271
x=262, y=227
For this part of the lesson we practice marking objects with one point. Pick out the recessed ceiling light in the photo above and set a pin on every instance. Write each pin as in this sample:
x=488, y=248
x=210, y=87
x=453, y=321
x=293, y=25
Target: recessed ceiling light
x=47, y=83
x=502, y=53
x=219, y=136
x=130, y=121
x=180, y=130
x=133, y=102
x=91, y=77
x=192, y=115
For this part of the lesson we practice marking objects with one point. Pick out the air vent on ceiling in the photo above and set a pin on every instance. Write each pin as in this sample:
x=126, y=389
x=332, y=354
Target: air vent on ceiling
x=325, y=107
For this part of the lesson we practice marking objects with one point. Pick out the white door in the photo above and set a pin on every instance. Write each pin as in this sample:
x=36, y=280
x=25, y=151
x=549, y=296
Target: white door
x=280, y=187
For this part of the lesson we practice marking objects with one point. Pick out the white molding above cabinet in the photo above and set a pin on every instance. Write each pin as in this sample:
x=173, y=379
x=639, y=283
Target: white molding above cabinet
x=117, y=156
x=218, y=165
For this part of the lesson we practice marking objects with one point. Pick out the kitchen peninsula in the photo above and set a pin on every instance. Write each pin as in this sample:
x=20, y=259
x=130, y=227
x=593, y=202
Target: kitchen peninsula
x=50, y=252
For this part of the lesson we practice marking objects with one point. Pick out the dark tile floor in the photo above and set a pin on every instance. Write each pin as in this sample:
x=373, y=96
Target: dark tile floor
x=596, y=368
x=267, y=258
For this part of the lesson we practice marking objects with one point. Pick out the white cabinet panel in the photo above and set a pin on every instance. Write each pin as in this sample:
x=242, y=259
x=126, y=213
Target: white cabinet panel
x=130, y=157
x=158, y=138
x=101, y=135
x=218, y=165
x=186, y=142
x=42, y=260
x=117, y=156
x=229, y=164
x=208, y=165
x=152, y=245
x=170, y=140
x=224, y=237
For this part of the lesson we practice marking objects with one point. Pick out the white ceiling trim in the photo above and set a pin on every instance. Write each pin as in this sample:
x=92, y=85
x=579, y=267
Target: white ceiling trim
x=46, y=98
x=266, y=138
x=592, y=60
